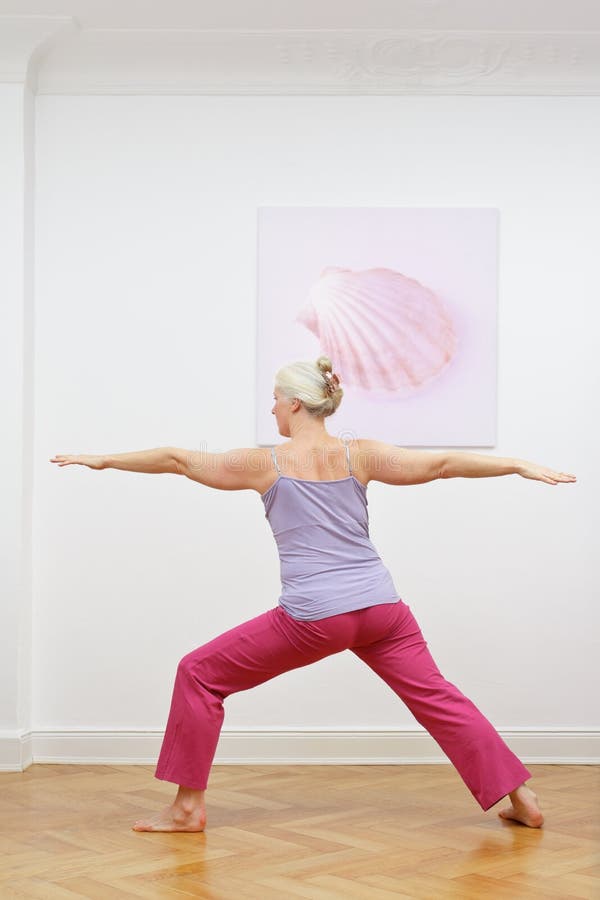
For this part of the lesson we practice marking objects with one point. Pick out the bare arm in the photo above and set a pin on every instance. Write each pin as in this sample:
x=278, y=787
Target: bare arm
x=233, y=470
x=478, y=465
x=156, y=461
x=397, y=465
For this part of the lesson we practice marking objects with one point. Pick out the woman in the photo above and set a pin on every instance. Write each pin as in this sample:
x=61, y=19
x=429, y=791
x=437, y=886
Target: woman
x=336, y=593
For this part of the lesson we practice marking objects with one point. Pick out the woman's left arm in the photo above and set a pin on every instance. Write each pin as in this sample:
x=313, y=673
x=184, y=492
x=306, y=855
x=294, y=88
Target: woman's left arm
x=155, y=462
x=478, y=465
x=233, y=470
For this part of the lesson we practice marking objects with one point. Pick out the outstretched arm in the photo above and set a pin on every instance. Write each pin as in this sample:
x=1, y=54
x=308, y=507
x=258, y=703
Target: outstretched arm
x=398, y=465
x=478, y=465
x=155, y=461
x=234, y=470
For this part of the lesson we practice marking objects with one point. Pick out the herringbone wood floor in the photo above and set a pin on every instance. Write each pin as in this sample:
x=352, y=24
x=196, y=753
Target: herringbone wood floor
x=274, y=832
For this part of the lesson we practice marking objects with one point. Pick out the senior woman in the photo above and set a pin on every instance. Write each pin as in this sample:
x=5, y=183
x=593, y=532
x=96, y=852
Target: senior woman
x=336, y=593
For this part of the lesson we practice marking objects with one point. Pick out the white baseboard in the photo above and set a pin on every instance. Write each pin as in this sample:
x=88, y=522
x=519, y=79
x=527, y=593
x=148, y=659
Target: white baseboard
x=294, y=746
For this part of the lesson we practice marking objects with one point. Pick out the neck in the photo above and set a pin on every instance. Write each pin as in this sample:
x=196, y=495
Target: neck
x=308, y=432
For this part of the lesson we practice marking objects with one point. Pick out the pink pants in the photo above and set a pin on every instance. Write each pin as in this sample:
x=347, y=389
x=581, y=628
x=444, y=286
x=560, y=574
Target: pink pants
x=386, y=637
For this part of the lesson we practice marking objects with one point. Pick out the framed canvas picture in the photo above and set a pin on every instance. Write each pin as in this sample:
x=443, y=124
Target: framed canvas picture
x=402, y=300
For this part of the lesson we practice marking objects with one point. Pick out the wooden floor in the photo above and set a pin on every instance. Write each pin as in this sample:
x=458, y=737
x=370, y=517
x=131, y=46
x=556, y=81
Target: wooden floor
x=320, y=832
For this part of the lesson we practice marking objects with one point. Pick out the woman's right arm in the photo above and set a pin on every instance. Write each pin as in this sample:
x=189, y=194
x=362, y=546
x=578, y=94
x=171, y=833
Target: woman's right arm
x=397, y=465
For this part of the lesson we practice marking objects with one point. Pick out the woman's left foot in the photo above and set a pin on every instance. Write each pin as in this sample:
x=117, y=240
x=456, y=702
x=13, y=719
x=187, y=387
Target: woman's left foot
x=173, y=818
x=524, y=808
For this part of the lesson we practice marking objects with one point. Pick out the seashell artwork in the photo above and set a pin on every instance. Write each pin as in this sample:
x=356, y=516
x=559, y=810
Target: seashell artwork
x=404, y=301
x=384, y=330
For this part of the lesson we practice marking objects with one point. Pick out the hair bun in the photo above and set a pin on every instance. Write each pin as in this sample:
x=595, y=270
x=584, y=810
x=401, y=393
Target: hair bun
x=324, y=364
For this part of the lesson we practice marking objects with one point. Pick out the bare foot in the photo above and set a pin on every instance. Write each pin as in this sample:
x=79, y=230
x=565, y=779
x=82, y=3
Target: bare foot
x=524, y=808
x=174, y=818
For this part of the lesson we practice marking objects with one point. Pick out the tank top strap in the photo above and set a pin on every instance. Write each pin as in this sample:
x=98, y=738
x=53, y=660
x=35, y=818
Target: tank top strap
x=275, y=460
x=348, y=456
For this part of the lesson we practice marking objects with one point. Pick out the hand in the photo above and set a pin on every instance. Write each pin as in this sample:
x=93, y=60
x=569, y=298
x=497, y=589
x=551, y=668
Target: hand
x=93, y=462
x=540, y=473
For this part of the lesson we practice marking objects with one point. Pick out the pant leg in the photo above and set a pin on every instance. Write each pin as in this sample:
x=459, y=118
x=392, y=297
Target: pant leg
x=241, y=658
x=401, y=658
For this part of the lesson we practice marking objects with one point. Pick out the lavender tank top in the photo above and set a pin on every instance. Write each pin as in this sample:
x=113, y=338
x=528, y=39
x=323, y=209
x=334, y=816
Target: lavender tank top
x=328, y=563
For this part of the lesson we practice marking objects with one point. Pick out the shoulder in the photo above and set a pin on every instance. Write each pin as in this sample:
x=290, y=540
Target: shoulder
x=369, y=448
x=362, y=453
x=368, y=454
x=241, y=468
x=392, y=464
x=373, y=446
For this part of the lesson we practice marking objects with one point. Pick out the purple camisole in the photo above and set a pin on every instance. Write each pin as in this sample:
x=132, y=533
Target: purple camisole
x=328, y=563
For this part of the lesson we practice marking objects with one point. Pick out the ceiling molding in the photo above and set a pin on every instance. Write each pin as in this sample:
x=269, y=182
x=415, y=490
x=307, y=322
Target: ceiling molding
x=23, y=42
x=74, y=60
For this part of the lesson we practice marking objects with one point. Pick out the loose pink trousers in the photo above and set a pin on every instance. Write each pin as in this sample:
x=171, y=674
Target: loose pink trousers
x=386, y=637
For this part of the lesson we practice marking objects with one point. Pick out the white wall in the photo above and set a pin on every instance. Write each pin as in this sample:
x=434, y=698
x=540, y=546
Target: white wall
x=145, y=305
x=16, y=403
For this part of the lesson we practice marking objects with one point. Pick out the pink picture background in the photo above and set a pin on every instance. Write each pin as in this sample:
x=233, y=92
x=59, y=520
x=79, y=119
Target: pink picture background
x=418, y=285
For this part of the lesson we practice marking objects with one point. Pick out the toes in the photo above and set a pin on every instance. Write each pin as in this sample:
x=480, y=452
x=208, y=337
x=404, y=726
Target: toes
x=508, y=814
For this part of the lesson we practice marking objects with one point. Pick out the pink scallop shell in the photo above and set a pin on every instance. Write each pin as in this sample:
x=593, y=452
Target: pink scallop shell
x=381, y=329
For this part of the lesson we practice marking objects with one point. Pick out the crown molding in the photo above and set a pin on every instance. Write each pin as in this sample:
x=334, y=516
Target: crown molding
x=23, y=42
x=60, y=57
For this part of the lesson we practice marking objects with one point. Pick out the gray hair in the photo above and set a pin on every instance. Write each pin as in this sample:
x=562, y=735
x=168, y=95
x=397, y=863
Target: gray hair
x=314, y=384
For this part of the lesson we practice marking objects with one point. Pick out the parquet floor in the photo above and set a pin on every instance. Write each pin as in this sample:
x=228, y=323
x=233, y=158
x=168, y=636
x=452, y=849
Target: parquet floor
x=371, y=832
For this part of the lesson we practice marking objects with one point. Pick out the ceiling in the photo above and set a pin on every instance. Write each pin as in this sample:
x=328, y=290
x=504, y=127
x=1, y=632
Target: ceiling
x=521, y=15
x=546, y=47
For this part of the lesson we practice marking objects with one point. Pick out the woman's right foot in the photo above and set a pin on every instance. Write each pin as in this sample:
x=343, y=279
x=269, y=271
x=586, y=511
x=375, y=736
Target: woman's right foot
x=524, y=808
